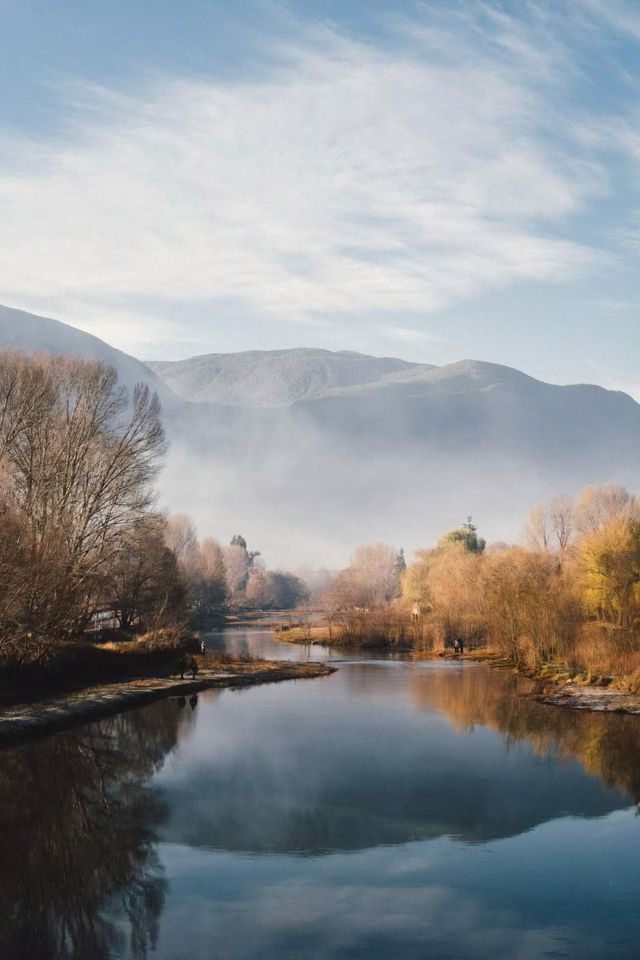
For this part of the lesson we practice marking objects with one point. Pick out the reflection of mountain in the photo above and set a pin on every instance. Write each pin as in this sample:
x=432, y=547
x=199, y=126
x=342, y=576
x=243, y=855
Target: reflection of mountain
x=364, y=773
x=77, y=839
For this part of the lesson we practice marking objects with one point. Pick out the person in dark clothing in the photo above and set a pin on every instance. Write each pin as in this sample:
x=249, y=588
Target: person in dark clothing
x=193, y=666
x=461, y=644
x=182, y=665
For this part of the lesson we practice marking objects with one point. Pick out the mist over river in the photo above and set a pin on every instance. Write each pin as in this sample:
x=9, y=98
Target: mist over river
x=393, y=810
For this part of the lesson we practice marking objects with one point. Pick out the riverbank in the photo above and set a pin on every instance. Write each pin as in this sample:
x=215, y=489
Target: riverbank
x=30, y=721
x=558, y=689
x=321, y=634
x=589, y=697
x=553, y=686
x=78, y=664
x=599, y=695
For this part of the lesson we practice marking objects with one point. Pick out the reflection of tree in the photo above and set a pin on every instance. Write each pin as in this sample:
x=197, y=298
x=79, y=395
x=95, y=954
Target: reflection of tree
x=606, y=745
x=77, y=839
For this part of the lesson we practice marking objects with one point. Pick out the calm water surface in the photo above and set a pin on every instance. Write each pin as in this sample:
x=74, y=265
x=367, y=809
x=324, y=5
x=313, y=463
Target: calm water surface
x=393, y=810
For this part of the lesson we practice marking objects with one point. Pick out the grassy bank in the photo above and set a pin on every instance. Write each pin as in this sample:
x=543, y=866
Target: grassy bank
x=382, y=635
x=80, y=663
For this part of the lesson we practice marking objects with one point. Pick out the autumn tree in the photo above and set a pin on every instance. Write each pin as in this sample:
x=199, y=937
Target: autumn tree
x=201, y=563
x=145, y=586
x=531, y=606
x=611, y=558
x=80, y=454
x=597, y=505
x=551, y=526
x=454, y=587
x=416, y=579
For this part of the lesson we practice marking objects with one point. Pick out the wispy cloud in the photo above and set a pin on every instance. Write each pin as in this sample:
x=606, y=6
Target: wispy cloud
x=348, y=181
x=623, y=16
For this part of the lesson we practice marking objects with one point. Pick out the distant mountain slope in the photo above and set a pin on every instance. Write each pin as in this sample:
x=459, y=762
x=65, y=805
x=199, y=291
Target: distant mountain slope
x=466, y=409
x=270, y=378
x=278, y=378
x=309, y=452
x=20, y=330
x=400, y=458
x=481, y=409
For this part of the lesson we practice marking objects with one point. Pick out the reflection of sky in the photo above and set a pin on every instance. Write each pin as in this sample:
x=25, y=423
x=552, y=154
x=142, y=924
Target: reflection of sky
x=350, y=761
x=566, y=889
x=419, y=839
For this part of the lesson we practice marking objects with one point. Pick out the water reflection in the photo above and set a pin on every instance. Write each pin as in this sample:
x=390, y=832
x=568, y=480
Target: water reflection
x=606, y=745
x=80, y=873
x=391, y=810
x=351, y=764
x=260, y=642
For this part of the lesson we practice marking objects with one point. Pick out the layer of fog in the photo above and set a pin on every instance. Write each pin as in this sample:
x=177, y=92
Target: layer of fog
x=399, y=462
x=306, y=492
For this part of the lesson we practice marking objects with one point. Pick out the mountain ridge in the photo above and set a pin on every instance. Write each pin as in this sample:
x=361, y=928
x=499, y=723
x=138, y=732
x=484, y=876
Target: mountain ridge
x=310, y=452
x=272, y=378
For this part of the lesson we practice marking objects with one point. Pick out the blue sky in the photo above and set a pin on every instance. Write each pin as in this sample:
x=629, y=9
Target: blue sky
x=431, y=180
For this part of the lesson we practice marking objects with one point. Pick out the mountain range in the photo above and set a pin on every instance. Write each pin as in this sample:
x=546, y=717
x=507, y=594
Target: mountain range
x=272, y=378
x=308, y=451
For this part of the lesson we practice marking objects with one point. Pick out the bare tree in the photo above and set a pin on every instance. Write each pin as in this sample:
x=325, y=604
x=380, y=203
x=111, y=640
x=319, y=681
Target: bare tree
x=182, y=538
x=144, y=586
x=560, y=512
x=597, y=505
x=537, y=534
x=372, y=574
x=213, y=571
x=550, y=526
x=236, y=566
x=80, y=455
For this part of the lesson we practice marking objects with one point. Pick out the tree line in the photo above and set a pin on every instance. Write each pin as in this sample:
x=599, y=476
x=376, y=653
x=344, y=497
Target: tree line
x=568, y=594
x=232, y=575
x=81, y=537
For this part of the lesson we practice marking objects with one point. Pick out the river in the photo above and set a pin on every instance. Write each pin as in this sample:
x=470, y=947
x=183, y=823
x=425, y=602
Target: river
x=393, y=810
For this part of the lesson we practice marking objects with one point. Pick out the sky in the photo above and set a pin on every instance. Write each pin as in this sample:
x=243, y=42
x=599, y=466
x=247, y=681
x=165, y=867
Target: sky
x=432, y=180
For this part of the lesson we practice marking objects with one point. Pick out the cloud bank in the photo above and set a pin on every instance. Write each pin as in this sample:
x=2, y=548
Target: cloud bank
x=349, y=181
